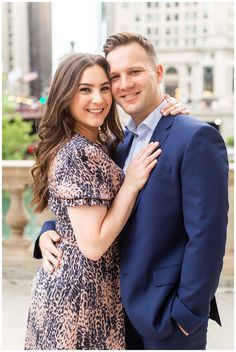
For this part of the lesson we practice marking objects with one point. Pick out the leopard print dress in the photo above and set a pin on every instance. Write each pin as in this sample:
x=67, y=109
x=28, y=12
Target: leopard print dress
x=78, y=306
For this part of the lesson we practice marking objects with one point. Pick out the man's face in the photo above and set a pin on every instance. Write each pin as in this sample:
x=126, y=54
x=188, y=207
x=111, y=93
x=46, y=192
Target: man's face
x=135, y=80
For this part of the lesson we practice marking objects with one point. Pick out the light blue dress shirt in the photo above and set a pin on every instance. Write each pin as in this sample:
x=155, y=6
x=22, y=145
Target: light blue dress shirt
x=142, y=133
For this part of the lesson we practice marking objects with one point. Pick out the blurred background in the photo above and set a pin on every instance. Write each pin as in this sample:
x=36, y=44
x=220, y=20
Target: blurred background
x=194, y=42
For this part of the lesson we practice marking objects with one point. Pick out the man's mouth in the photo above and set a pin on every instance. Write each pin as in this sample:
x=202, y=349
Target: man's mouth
x=130, y=95
x=95, y=111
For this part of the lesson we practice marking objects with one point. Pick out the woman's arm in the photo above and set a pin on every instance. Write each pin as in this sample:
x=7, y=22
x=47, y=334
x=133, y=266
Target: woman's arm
x=97, y=227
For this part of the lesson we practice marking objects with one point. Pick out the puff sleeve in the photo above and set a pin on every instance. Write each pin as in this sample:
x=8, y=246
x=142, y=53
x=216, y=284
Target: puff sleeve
x=80, y=177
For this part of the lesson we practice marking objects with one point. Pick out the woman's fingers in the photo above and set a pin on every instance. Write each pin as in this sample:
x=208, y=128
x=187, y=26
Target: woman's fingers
x=148, y=160
x=174, y=107
x=148, y=150
x=151, y=165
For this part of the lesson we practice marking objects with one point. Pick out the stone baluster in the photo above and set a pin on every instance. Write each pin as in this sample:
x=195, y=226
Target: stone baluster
x=16, y=178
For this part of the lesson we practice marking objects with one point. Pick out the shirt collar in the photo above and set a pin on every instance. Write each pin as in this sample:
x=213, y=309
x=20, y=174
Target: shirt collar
x=151, y=120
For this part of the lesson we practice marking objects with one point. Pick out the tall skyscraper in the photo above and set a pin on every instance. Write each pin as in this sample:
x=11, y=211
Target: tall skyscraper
x=40, y=43
x=27, y=47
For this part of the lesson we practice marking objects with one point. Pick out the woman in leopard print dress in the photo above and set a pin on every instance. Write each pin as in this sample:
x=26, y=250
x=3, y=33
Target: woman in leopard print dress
x=78, y=306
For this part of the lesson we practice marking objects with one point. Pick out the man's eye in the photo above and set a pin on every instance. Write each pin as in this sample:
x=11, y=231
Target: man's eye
x=113, y=78
x=134, y=72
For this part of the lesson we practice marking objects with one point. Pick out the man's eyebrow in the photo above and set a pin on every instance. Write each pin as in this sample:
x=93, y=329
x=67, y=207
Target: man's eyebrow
x=128, y=69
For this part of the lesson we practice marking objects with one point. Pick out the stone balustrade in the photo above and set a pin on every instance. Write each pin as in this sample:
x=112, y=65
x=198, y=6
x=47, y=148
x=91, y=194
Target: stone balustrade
x=17, y=177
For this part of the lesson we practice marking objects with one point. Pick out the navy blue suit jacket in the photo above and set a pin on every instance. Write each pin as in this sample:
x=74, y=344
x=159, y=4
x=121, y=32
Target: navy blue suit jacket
x=173, y=244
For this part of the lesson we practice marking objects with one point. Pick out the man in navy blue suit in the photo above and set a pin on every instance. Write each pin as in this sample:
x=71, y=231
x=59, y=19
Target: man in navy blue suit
x=173, y=244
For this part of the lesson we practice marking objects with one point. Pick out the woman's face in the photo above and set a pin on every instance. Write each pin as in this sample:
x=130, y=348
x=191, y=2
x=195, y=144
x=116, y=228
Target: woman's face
x=92, y=101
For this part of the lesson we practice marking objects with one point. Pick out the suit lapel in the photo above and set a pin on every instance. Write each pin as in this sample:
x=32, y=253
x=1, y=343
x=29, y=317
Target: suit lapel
x=160, y=134
x=122, y=150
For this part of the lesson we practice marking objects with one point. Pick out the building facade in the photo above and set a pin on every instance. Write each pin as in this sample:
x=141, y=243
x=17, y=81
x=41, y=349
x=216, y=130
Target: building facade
x=194, y=42
x=27, y=47
x=15, y=46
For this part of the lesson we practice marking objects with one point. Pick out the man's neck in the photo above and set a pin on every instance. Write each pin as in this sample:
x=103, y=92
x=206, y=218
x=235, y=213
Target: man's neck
x=139, y=118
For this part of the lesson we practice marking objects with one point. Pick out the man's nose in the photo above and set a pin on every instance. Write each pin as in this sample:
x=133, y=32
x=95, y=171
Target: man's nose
x=125, y=82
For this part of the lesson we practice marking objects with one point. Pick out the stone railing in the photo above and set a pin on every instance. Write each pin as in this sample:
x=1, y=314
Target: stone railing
x=17, y=177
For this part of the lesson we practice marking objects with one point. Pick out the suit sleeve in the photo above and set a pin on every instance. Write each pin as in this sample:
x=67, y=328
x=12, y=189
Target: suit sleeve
x=48, y=225
x=204, y=178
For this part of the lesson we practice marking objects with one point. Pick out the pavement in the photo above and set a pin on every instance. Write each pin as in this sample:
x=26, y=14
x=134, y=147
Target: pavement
x=16, y=285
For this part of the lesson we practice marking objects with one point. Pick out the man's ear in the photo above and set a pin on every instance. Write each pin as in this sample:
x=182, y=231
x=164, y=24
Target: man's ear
x=159, y=72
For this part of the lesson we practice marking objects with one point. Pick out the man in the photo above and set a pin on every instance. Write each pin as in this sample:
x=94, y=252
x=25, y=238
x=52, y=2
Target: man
x=172, y=246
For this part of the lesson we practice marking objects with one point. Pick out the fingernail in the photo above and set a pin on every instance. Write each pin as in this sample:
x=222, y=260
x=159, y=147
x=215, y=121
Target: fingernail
x=164, y=113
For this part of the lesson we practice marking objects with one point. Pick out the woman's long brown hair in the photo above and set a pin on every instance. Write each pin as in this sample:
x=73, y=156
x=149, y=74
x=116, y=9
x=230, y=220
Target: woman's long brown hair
x=56, y=126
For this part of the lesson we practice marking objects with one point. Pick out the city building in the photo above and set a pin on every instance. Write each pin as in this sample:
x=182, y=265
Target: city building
x=194, y=42
x=40, y=42
x=15, y=47
x=27, y=47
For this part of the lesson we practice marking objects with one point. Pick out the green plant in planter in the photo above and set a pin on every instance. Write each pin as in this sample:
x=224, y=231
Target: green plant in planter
x=16, y=137
x=16, y=133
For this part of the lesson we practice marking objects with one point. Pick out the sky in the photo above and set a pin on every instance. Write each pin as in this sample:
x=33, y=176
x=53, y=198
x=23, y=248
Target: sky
x=74, y=21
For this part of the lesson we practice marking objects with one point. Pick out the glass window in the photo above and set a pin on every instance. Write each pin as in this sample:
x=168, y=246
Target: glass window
x=176, y=17
x=208, y=79
x=148, y=4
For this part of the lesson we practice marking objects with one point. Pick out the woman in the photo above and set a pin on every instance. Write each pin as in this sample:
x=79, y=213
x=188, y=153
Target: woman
x=79, y=306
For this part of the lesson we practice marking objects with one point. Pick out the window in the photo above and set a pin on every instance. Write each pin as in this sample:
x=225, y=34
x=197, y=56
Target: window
x=149, y=4
x=189, y=69
x=156, y=30
x=167, y=31
x=137, y=18
x=176, y=17
x=148, y=30
x=189, y=88
x=168, y=17
x=208, y=79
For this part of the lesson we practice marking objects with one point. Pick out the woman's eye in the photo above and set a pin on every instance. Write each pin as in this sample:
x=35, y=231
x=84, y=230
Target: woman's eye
x=84, y=90
x=106, y=88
